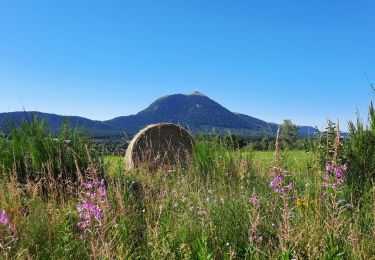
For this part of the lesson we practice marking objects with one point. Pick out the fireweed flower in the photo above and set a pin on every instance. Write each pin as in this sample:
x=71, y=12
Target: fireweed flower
x=328, y=166
x=254, y=200
x=91, y=207
x=334, y=175
x=278, y=182
x=3, y=218
x=6, y=222
x=7, y=234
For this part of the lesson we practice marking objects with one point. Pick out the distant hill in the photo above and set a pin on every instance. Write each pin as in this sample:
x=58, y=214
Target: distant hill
x=195, y=111
x=95, y=128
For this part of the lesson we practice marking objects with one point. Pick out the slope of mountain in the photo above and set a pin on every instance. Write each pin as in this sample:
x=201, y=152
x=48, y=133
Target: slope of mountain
x=95, y=128
x=258, y=124
x=195, y=111
x=308, y=131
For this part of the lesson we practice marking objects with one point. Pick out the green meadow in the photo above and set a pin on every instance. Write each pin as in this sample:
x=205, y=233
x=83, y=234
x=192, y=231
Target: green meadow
x=223, y=205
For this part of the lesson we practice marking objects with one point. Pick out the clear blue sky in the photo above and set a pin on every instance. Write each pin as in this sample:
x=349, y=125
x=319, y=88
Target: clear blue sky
x=303, y=60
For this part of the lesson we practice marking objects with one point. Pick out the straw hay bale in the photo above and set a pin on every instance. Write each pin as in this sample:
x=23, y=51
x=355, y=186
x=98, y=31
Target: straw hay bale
x=158, y=146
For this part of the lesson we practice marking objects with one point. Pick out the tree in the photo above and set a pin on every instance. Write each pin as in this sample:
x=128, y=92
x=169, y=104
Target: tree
x=234, y=141
x=289, y=133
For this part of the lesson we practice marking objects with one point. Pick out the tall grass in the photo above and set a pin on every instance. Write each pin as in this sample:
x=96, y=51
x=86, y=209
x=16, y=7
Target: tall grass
x=361, y=153
x=32, y=152
x=219, y=207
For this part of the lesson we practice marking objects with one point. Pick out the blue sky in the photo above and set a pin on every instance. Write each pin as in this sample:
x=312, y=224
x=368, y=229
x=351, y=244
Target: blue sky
x=303, y=60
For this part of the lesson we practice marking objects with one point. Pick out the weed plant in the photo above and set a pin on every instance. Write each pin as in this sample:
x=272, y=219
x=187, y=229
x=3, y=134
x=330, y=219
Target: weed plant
x=224, y=205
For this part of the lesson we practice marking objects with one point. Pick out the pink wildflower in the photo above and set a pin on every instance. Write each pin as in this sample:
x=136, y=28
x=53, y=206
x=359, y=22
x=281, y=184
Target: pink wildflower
x=328, y=166
x=254, y=200
x=90, y=209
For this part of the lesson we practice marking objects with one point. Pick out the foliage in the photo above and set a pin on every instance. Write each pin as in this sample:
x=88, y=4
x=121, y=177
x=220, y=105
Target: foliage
x=223, y=206
x=234, y=141
x=326, y=142
x=289, y=133
x=268, y=144
x=360, y=152
x=33, y=153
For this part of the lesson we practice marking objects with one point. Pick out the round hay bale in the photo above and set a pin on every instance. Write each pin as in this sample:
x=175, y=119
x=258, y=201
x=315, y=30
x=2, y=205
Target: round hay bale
x=158, y=146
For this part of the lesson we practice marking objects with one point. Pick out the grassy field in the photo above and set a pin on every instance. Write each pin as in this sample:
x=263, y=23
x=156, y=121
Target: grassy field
x=221, y=206
x=262, y=160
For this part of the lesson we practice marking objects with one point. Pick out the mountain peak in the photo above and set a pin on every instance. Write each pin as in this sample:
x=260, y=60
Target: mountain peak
x=196, y=93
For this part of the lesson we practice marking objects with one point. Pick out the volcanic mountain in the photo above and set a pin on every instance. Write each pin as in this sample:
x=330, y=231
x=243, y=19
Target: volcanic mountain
x=195, y=111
